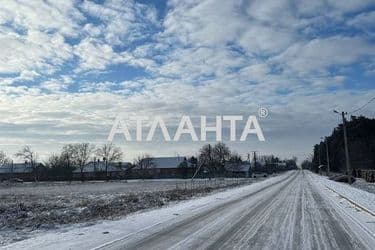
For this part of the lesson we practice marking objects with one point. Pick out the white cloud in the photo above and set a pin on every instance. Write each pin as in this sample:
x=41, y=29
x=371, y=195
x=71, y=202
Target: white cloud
x=364, y=21
x=319, y=54
x=35, y=51
x=274, y=13
x=265, y=40
x=350, y=6
x=123, y=21
x=95, y=55
x=255, y=72
x=55, y=85
x=32, y=36
x=46, y=16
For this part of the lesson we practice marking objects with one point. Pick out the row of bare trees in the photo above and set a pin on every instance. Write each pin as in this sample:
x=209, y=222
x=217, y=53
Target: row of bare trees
x=72, y=156
x=76, y=156
x=215, y=157
x=80, y=154
x=26, y=153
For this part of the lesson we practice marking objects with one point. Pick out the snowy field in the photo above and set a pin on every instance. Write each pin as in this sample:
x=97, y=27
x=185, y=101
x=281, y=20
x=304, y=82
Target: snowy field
x=28, y=209
x=93, y=187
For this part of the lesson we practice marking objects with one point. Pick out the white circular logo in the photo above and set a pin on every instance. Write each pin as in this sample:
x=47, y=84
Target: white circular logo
x=263, y=112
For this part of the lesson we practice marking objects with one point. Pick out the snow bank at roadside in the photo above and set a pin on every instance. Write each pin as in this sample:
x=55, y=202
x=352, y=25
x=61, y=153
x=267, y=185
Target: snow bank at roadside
x=359, y=196
x=364, y=185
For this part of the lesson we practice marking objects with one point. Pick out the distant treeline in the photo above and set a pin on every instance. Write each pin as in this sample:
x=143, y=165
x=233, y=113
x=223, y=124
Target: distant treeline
x=214, y=160
x=361, y=144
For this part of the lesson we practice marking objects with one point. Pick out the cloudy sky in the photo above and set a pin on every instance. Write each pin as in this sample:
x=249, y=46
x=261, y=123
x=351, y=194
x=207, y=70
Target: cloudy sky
x=67, y=68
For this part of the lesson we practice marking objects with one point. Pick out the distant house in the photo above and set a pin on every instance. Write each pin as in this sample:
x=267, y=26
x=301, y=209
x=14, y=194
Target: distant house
x=168, y=162
x=16, y=170
x=165, y=167
x=97, y=170
x=282, y=165
x=268, y=168
x=238, y=169
x=275, y=167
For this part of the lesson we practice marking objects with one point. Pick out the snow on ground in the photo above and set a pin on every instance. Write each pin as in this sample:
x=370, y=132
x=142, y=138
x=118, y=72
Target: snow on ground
x=364, y=185
x=296, y=210
x=30, y=209
x=106, y=231
x=361, y=197
x=90, y=187
x=356, y=207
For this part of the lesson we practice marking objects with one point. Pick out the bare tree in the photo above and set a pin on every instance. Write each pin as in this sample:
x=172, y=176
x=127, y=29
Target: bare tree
x=81, y=154
x=30, y=156
x=53, y=161
x=235, y=158
x=67, y=155
x=214, y=157
x=206, y=158
x=221, y=154
x=110, y=153
x=268, y=159
x=144, y=162
x=4, y=160
x=59, y=165
x=206, y=155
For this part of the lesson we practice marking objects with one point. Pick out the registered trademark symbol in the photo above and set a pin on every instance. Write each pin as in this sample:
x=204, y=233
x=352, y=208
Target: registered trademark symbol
x=263, y=112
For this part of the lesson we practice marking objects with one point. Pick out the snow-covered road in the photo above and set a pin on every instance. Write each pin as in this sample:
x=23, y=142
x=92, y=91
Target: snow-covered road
x=291, y=211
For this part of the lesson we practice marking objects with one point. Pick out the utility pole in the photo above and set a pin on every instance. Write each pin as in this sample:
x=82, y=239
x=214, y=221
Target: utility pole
x=252, y=169
x=254, y=158
x=11, y=169
x=348, y=168
x=319, y=158
x=327, y=153
x=106, y=168
x=210, y=161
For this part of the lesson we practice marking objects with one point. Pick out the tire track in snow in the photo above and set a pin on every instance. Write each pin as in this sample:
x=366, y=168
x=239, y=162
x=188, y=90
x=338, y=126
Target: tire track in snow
x=296, y=218
x=289, y=214
x=191, y=224
x=249, y=223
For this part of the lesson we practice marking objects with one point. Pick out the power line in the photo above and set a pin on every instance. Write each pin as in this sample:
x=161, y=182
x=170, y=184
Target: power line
x=367, y=103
